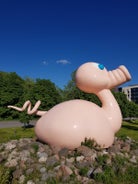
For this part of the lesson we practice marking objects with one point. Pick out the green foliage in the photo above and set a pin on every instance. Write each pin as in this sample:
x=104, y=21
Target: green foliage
x=5, y=175
x=25, y=119
x=123, y=103
x=11, y=88
x=128, y=109
x=8, y=134
x=118, y=172
x=91, y=144
x=106, y=177
x=15, y=91
x=35, y=147
x=83, y=171
x=52, y=180
x=101, y=160
x=128, y=129
x=46, y=92
x=131, y=175
x=133, y=109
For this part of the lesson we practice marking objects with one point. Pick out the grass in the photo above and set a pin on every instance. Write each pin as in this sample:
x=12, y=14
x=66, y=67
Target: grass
x=129, y=129
x=7, y=134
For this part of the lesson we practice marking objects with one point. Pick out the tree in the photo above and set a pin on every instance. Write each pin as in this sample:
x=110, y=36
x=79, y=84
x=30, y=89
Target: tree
x=128, y=109
x=133, y=109
x=25, y=119
x=45, y=91
x=123, y=103
x=28, y=87
x=11, y=88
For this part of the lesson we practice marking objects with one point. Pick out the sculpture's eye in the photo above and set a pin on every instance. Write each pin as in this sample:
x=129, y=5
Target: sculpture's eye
x=101, y=66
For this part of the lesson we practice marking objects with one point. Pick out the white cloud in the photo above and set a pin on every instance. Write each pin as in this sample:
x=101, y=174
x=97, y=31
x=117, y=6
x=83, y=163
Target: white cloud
x=63, y=61
x=45, y=63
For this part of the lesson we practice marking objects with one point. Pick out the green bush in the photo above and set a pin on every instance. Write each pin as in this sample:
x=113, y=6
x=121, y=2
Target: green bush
x=5, y=175
x=91, y=143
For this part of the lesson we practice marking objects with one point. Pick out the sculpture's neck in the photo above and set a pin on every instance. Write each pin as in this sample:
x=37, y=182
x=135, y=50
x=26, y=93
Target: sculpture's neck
x=111, y=107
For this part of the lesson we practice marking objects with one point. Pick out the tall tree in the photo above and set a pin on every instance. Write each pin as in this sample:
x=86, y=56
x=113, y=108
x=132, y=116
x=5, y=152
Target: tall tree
x=11, y=88
x=123, y=103
x=47, y=92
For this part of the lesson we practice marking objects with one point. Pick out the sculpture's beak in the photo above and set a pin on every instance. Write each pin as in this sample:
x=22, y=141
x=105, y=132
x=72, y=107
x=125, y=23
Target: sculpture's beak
x=118, y=76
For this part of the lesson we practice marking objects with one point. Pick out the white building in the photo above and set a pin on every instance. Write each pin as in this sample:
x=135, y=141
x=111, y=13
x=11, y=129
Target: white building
x=131, y=92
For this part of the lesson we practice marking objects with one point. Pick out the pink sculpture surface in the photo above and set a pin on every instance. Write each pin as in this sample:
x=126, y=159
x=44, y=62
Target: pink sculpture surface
x=69, y=123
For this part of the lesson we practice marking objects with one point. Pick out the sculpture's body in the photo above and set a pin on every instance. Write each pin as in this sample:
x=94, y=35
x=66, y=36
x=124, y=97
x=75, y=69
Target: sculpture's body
x=69, y=123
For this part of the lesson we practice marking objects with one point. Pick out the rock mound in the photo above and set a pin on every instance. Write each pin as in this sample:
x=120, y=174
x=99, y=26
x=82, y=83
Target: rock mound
x=32, y=162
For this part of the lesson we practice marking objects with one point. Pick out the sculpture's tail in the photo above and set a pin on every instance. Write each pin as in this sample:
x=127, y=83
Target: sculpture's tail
x=27, y=105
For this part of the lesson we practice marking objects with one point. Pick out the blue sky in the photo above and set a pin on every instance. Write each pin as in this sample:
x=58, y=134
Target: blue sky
x=49, y=39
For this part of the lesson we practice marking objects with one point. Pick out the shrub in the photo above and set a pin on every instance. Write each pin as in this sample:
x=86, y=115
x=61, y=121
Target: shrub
x=5, y=175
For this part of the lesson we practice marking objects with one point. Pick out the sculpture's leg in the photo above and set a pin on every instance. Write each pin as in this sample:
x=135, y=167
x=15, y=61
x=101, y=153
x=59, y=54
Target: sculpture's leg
x=30, y=111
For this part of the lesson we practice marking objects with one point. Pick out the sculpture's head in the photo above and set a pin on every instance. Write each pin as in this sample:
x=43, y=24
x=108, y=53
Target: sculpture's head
x=92, y=77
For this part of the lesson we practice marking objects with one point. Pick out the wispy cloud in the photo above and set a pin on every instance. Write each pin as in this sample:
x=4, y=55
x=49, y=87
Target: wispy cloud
x=45, y=62
x=63, y=62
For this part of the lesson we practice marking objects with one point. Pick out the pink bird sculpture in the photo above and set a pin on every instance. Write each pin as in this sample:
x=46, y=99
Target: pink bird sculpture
x=69, y=123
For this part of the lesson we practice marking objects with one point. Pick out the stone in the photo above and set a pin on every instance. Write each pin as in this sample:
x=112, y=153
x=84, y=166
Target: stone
x=85, y=151
x=13, y=155
x=48, y=150
x=115, y=148
x=42, y=159
x=90, y=173
x=29, y=171
x=41, y=154
x=128, y=140
x=133, y=159
x=83, y=164
x=70, y=160
x=21, y=179
x=126, y=155
x=126, y=148
x=66, y=171
x=10, y=146
x=17, y=173
x=108, y=161
x=136, y=152
x=25, y=153
x=79, y=158
x=85, y=180
x=43, y=170
x=11, y=163
x=98, y=170
x=44, y=177
x=22, y=164
x=51, y=161
x=63, y=152
x=30, y=182
x=93, y=157
x=41, y=149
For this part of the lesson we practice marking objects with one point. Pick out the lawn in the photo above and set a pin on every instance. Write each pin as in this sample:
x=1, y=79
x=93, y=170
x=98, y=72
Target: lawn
x=129, y=129
x=6, y=134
